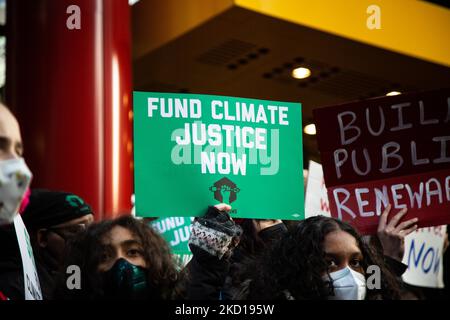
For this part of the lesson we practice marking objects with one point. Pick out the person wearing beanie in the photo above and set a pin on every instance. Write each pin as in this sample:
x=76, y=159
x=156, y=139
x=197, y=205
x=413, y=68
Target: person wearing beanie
x=51, y=218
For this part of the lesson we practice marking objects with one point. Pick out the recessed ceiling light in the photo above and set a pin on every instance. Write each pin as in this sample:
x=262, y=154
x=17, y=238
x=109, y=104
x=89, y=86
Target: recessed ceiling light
x=393, y=93
x=310, y=129
x=301, y=73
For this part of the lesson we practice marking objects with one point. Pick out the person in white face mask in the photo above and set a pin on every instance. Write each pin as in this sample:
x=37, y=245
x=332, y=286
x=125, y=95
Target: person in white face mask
x=345, y=272
x=347, y=285
x=14, y=173
x=324, y=259
x=15, y=178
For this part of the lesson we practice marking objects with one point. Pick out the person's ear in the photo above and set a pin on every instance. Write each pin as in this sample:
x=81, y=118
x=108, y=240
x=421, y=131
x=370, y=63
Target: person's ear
x=42, y=238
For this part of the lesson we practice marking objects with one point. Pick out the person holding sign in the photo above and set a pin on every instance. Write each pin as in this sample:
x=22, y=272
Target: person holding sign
x=127, y=259
x=323, y=258
x=212, y=242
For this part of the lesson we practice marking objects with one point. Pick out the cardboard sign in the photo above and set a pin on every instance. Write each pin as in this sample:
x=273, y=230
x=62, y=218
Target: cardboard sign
x=387, y=150
x=31, y=279
x=316, y=198
x=176, y=232
x=424, y=257
x=192, y=151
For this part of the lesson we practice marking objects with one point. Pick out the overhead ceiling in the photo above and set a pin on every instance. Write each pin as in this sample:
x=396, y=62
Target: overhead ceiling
x=239, y=52
x=444, y=3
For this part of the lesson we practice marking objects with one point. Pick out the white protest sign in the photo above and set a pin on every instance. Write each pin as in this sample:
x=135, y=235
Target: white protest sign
x=423, y=255
x=316, y=198
x=31, y=280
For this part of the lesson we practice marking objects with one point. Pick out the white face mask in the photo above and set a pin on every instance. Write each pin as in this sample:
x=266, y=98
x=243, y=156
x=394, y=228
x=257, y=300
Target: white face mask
x=348, y=285
x=15, y=178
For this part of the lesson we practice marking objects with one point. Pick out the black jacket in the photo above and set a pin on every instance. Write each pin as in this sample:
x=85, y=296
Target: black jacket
x=212, y=279
x=11, y=274
x=11, y=269
x=206, y=276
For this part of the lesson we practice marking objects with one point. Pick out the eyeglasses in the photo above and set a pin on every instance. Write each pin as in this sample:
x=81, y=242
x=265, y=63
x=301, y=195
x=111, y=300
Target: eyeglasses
x=67, y=232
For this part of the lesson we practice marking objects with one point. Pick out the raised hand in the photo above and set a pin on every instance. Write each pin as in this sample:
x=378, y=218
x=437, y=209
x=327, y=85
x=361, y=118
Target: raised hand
x=392, y=234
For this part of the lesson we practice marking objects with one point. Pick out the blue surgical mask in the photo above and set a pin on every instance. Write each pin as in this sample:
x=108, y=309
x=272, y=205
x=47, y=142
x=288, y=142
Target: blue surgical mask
x=348, y=285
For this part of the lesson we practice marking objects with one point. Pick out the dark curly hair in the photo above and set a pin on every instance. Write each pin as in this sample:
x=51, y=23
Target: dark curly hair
x=85, y=251
x=297, y=263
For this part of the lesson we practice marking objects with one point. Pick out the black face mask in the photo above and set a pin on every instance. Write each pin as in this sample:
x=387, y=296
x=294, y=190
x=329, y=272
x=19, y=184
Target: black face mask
x=273, y=233
x=126, y=281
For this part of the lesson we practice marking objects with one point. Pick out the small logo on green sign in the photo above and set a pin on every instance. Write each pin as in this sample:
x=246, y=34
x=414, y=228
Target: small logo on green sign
x=225, y=190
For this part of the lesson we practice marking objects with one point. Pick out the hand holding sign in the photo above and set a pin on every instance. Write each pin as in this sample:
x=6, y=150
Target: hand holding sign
x=223, y=207
x=215, y=233
x=392, y=234
x=235, y=240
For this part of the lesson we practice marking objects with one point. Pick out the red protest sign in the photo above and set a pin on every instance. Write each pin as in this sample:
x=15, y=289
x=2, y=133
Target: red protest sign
x=387, y=150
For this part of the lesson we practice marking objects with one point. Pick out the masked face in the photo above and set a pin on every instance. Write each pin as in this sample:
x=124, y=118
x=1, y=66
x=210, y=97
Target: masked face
x=347, y=284
x=123, y=266
x=15, y=178
x=126, y=281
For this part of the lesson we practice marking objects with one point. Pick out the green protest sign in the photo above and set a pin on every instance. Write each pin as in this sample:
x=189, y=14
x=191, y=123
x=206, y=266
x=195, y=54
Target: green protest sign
x=176, y=231
x=191, y=151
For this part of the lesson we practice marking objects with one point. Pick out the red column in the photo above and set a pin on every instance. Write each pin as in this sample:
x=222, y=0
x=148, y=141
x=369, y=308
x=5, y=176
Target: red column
x=71, y=91
x=118, y=114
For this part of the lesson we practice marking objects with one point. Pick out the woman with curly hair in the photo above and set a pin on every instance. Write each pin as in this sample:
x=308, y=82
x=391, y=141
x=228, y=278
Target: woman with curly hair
x=325, y=258
x=121, y=259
